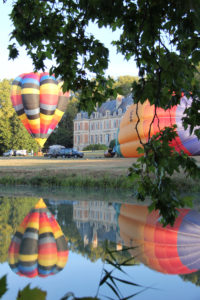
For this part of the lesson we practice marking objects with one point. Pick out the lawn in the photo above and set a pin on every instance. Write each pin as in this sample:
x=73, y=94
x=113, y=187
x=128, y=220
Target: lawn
x=92, y=170
x=31, y=166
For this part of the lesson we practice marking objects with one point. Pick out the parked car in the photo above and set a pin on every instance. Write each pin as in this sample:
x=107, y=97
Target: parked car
x=8, y=153
x=53, y=153
x=20, y=153
x=65, y=152
x=75, y=153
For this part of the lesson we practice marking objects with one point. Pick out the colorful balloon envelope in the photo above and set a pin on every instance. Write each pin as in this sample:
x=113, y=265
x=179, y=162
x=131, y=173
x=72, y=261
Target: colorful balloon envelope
x=128, y=141
x=172, y=250
x=38, y=247
x=39, y=102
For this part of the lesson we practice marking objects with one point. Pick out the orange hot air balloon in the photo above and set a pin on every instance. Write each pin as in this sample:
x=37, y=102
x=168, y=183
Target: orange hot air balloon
x=128, y=141
x=171, y=250
x=38, y=247
x=39, y=102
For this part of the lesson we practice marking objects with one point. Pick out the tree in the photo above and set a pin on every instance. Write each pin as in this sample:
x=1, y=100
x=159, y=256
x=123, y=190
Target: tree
x=112, y=144
x=63, y=135
x=123, y=84
x=162, y=36
x=21, y=139
x=6, y=112
x=13, y=135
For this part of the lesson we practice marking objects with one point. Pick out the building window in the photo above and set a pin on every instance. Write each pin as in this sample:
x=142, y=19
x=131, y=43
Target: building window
x=79, y=126
x=92, y=139
x=92, y=127
x=107, y=124
x=78, y=139
x=107, y=136
x=101, y=139
x=96, y=139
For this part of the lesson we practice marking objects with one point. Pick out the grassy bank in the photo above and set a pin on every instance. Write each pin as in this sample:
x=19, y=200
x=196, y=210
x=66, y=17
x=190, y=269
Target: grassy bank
x=101, y=181
x=78, y=181
x=88, y=173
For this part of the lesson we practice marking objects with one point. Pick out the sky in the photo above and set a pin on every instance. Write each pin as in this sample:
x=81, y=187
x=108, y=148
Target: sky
x=12, y=68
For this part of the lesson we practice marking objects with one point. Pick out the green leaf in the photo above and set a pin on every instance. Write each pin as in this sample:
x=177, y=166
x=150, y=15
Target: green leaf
x=140, y=150
x=188, y=200
x=3, y=285
x=105, y=278
x=31, y=294
x=114, y=290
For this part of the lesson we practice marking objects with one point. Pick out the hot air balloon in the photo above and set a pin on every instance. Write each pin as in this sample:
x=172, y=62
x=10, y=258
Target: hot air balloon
x=171, y=250
x=39, y=102
x=38, y=247
x=128, y=141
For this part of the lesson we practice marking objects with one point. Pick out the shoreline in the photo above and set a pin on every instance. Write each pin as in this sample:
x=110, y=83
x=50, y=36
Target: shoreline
x=87, y=172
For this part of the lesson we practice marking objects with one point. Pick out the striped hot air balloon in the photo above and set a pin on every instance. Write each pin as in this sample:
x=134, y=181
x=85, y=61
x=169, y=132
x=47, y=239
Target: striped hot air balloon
x=38, y=247
x=39, y=102
x=128, y=141
x=171, y=250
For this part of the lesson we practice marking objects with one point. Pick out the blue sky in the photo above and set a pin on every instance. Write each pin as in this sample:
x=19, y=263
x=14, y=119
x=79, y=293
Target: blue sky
x=11, y=69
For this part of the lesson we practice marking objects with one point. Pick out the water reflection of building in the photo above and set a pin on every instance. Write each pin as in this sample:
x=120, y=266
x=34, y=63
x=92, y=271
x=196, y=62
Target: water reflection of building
x=171, y=250
x=96, y=221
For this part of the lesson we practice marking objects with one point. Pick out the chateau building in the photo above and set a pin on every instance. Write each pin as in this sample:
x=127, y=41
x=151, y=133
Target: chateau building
x=102, y=125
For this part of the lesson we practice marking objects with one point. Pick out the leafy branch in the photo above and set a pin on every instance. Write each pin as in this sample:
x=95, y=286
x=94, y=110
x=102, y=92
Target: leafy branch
x=152, y=174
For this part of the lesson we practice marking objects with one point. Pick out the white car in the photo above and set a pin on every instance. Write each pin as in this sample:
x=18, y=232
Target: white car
x=20, y=152
x=8, y=153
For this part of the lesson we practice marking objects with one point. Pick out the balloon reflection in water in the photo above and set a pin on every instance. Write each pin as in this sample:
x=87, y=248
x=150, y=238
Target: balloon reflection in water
x=39, y=247
x=39, y=103
x=172, y=250
x=128, y=141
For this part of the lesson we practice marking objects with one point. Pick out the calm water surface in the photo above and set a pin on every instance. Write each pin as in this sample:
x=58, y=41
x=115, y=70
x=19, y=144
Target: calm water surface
x=165, y=262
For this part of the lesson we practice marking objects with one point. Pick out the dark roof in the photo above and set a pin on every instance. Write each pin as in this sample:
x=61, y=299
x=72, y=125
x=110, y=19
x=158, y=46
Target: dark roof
x=125, y=102
x=110, y=105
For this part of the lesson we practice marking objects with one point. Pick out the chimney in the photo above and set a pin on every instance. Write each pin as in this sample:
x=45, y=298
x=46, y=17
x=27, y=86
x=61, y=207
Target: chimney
x=118, y=101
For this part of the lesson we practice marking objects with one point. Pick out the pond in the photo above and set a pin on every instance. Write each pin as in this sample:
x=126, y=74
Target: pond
x=98, y=233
